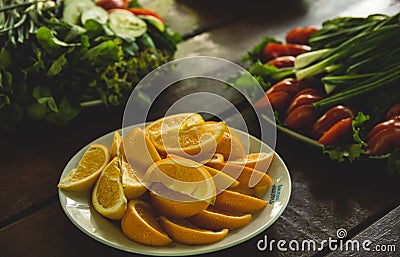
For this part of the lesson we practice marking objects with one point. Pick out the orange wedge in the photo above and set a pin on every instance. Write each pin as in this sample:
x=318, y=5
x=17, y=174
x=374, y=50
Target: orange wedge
x=230, y=146
x=237, y=203
x=182, y=206
x=184, y=232
x=132, y=185
x=140, y=225
x=214, y=220
x=247, y=177
x=258, y=161
x=216, y=158
x=139, y=150
x=116, y=146
x=199, y=139
x=108, y=195
x=176, y=121
x=184, y=176
x=89, y=168
x=221, y=180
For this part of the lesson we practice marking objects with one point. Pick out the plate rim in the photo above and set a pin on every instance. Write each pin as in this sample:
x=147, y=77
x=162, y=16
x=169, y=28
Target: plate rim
x=194, y=251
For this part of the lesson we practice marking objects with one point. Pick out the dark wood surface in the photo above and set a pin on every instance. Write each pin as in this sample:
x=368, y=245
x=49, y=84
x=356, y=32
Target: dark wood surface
x=326, y=196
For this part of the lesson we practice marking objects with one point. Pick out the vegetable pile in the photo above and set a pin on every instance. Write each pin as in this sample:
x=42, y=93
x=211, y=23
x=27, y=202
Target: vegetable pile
x=337, y=84
x=57, y=57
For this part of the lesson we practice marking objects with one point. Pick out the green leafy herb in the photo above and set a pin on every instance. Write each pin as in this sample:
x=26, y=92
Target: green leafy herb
x=255, y=54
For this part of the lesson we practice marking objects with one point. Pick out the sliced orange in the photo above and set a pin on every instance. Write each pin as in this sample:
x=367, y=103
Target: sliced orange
x=184, y=232
x=139, y=150
x=140, y=225
x=258, y=161
x=247, y=177
x=89, y=168
x=257, y=191
x=176, y=121
x=216, y=158
x=197, y=139
x=116, y=146
x=222, y=180
x=237, y=203
x=212, y=219
x=132, y=185
x=184, y=176
x=182, y=206
x=230, y=145
x=108, y=194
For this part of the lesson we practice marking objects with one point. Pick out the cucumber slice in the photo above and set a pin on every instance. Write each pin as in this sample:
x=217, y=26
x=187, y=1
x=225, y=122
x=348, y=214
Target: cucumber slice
x=95, y=13
x=153, y=20
x=73, y=10
x=125, y=24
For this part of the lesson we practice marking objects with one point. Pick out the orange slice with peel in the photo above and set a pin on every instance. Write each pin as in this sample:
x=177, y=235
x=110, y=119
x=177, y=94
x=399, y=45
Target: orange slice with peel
x=230, y=145
x=184, y=232
x=140, y=225
x=184, y=176
x=174, y=204
x=237, y=203
x=199, y=139
x=258, y=161
x=108, y=195
x=247, y=177
x=116, y=149
x=132, y=185
x=176, y=121
x=89, y=168
x=215, y=220
x=139, y=150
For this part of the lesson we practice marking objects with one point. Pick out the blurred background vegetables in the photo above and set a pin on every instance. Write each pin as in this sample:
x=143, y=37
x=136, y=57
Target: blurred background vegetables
x=57, y=57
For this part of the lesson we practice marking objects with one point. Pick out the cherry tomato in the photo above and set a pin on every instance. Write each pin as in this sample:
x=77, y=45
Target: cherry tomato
x=330, y=118
x=393, y=111
x=273, y=50
x=384, y=141
x=338, y=130
x=113, y=4
x=302, y=99
x=300, y=35
x=301, y=117
x=143, y=11
x=395, y=121
x=282, y=61
x=289, y=85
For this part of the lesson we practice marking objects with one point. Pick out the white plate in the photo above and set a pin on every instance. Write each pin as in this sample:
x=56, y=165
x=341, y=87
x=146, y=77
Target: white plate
x=78, y=208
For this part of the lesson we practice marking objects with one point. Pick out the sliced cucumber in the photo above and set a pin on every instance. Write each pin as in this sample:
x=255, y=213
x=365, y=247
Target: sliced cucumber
x=95, y=13
x=73, y=11
x=126, y=24
x=153, y=20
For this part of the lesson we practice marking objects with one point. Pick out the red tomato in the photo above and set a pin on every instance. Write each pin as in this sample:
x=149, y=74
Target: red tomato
x=338, y=130
x=113, y=4
x=393, y=111
x=301, y=117
x=273, y=50
x=300, y=35
x=142, y=11
x=395, y=122
x=289, y=85
x=330, y=118
x=384, y=141
x=282, y=61
x=302, y=99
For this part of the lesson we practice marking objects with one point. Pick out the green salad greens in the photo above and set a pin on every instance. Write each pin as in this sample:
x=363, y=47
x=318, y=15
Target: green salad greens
x=50, y=68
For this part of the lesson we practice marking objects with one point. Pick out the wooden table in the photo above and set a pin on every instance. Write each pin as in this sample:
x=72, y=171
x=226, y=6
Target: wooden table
x=326, y=196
